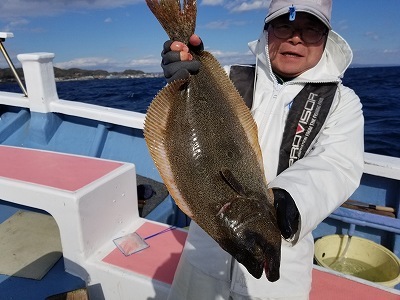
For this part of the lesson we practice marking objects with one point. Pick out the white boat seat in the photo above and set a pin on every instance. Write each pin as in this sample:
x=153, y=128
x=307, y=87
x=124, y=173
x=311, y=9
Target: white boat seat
x=93, y=201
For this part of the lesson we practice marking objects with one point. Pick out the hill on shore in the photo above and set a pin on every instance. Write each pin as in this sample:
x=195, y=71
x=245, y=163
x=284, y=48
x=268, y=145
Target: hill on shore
x=6, y=74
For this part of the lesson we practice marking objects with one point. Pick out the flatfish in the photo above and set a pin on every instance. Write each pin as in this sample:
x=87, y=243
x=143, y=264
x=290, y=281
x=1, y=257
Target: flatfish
x=204, y=143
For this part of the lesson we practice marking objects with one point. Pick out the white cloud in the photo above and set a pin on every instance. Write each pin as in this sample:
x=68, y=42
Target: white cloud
x=372, y=35
x=248, y=5
x=147, y=64
x=152, y=64
x=389, y=56
x=342, y=25
x=87, y=63
x=212, y=2
x=32, y=8
x=391, y=51
x=223, y=24
x=10, y=26
x=239, y=5
x=217, y=25
x=229, y=58
x=108, y=20
x=29, y=8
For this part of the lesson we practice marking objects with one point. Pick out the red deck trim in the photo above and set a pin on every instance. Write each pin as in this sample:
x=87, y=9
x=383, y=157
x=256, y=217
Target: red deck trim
x=62, y=171
x=160, y=260
x=328, y=286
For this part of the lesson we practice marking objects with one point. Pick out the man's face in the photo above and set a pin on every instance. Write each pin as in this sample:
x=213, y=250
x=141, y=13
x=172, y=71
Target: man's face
x=292, y=56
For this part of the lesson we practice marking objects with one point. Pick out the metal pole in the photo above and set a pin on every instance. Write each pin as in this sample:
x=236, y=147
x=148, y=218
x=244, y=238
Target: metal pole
x=7, y=57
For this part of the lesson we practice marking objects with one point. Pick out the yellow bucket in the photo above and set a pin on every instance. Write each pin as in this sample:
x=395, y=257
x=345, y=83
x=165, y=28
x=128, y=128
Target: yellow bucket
x=363, y=258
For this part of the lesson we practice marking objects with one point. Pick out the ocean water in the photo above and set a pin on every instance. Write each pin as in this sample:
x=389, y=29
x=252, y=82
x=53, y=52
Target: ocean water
x=378, y=89
x=129, y=94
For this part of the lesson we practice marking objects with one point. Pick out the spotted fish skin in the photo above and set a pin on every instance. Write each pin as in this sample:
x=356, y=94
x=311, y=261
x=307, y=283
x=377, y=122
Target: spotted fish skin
x=204, y=143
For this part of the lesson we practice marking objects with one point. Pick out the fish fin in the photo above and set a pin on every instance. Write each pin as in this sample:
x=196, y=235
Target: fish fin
x=155, y=129
x=231, y=180
x=178, y=21
x=236, y=101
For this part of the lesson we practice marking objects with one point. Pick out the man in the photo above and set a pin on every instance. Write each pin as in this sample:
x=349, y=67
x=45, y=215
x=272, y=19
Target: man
x=311, y=134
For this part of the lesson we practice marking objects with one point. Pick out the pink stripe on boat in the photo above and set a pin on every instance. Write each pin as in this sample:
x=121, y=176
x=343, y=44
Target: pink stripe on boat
x=62, y=171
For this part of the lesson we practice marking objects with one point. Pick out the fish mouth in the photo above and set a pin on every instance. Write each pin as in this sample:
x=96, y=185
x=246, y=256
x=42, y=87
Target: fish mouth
x=251, y=237
x=256, y=255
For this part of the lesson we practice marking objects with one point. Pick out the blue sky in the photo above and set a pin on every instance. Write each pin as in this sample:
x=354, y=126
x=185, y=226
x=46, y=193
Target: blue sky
x=115, y=35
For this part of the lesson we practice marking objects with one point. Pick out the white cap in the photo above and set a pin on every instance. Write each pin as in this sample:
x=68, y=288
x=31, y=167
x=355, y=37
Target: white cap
x=322, y=9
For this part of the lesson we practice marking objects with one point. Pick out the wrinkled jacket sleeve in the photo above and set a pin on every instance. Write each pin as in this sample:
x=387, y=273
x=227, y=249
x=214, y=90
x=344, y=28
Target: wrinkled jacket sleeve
x=325, y=178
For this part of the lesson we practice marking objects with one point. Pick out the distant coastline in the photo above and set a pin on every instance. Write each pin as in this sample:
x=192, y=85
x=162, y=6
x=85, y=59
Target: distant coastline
x=6, y=74
x=81, y=74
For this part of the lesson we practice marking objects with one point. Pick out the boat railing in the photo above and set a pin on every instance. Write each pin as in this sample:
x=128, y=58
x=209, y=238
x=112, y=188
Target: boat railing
x=379, y=186
x=382, y=165
x=43, y=98
x=3, y=37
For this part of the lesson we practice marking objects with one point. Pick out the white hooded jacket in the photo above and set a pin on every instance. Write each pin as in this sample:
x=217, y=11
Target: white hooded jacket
x=319, y=183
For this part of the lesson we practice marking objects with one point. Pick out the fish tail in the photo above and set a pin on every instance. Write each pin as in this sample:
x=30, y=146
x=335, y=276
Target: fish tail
x=178, y=20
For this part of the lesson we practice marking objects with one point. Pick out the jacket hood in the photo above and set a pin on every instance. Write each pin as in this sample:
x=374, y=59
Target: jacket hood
x=335, y=60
